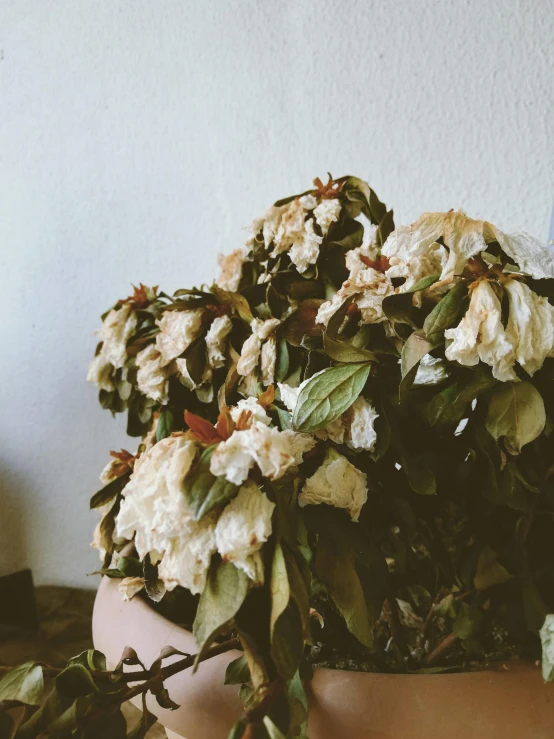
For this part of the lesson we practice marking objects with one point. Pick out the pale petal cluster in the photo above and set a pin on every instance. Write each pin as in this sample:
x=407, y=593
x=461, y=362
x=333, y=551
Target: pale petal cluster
x=326, y=213
x=464, y=238
x=273, y=451
x=216, y=340
x=153, y=374
x=178, y=329
x=527, y=339
x=155, y=512
x=243, y=527
x=368, y=285
x=338, y=483
x=231, y=269
x=431, y=371
x=291, y=228
x=530, y=326
x=480, y=335
x=116, y=330
x=251, y=407
x=254, y=350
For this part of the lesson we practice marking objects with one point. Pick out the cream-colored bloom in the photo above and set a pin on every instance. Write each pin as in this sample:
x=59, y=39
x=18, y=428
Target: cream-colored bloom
x=326, y=213
x=243, y=527
x=231, y=269
x=117, y=328
x=273, y=451
x=480, y=335
x=305, y=250
x=268, y=360
x=431, y=371
x=464, y=238
x=338, y=483
x=250, y=406
x=178, y=329
x=130, y=586
x=100, y=373
x=369, y=286
x=216, y=339
x=530, y=325
x=152, y=375
x=361, y=420
x=155, y=512
x=252, y=347
x=289, y=395
x=291, y=226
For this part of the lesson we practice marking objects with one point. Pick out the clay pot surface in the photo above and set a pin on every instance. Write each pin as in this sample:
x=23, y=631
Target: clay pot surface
x=508, y=702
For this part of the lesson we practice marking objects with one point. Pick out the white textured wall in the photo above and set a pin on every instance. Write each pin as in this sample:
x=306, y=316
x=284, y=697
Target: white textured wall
x=137, y=137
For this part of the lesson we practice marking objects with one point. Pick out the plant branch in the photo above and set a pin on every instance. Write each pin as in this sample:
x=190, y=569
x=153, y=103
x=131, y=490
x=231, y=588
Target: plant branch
x=445, y=644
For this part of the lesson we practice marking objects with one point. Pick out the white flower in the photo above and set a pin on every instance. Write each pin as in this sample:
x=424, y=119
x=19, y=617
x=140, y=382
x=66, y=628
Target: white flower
x=178, y=329
x=290, y=228
x=188, y=554
x=250, y=405
x=530, y=325
x=464, y=238
x=268, y=360
x=231, y=269
x=326, y=213
x=152, y=375
x=100, y=373
x=116, y=330
x=216, y=339
x=338, y=483
x=480, y=335
x=305, y=249
x=361, y=418
x=416, y=268
x=130, y=586
x=243, y=527
x=431, y=371
x=289, y=395
x=308, y=202
x=366, y=283
x=252, y=347
x=155, y=512
x=274, y=452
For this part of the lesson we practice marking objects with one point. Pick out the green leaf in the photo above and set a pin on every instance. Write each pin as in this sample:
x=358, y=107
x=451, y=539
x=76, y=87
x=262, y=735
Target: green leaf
x=344, y=351
x=287, y=642
x=445, y=314
x=238, y=730
x=272, y=731
x=165, y=424
x=347, y=233
x=279, y=585
x=91, y=659
x=203, y=491
x=24, y=683
x=327, y=395
x=237, y=672
x=468, y=622
x=223, y=595
x=422, y=284
x=516, y=412
x=489, y=570
x=421, y=479
x=109, y=492
x=413, y=351
x=335, y=566
x=283, y=361
x=449, y=405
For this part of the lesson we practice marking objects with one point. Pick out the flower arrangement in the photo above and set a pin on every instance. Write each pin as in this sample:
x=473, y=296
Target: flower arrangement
x=346, y=454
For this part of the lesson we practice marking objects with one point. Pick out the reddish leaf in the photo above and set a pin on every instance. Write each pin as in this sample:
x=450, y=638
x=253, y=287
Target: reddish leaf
x=202, y=429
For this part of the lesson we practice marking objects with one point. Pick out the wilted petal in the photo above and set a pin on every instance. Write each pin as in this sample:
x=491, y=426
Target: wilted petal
x=362, y=416
x=152, y=375
x=338, y=483
x=100, y=373
x=305, y=250
x=231, y=269
x=130, y=586
x=216, y=340
x=480, y=335
x=326, y=213
x=178, y=329
x=530, y=325
x=243, y=527
x=117, y=328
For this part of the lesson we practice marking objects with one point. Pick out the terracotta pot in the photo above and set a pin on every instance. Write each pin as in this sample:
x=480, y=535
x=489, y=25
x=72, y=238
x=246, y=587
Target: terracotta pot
x=510, y=702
